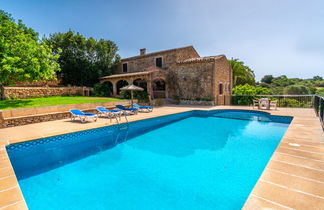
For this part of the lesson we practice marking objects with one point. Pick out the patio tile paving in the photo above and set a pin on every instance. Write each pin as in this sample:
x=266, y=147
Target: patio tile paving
x=293, y=178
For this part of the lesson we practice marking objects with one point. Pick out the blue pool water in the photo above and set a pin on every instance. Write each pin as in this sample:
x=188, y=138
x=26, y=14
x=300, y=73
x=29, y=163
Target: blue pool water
x=194, y=160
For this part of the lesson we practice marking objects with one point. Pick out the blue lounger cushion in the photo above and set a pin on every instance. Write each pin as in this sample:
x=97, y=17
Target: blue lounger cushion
x=102, y=109
x=126, y=109
x=143, y=107
x=78, y=112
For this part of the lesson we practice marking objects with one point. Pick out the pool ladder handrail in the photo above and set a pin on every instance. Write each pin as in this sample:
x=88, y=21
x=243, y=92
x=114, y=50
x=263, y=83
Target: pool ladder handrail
x=121, y=112
x=122, y=128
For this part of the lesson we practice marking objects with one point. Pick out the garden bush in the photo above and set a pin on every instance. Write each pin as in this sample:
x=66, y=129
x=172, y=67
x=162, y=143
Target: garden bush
x=320, y=91
x=176, y=99
x=102, y=90
x=245, y=94
x=296, y=90
x=141, y=96
x=286, y=102
x=159, y=102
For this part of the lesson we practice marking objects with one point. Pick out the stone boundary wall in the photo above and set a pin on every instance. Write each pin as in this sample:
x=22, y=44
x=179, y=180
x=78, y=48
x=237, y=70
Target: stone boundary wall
x=17, y=117
x=32, y=92
x=40, y=83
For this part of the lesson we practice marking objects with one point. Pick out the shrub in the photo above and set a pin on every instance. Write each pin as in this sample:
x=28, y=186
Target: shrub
x=102, y=90
x=244, y=94
x=159, y=102
x=250, y=90
x=296, y=90
x=286, y=102
x=142, y=96
x=320, y=91
x=176, y=99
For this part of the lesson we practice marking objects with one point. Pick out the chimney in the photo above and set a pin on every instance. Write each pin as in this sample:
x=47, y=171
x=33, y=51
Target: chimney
x=143, y=51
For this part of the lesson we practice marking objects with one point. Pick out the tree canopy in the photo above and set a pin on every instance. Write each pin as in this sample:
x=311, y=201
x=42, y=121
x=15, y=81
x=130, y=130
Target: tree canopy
x=284, y=85
x=267, y=79
x=23, y=57
x=83, y=60
x=242, y=74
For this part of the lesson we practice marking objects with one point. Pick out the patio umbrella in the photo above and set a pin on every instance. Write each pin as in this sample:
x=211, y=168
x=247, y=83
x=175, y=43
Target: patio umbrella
x=132, y=88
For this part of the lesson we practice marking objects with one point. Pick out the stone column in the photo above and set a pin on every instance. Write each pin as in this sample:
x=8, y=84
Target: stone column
x=114, y=84
x=1, y=120
x=149, y=88
x=166, y=90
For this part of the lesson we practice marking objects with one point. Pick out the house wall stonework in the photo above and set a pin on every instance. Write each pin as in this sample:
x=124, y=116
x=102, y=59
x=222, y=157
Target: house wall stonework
x=169, y=57
x=191, y=81
x=188, y=77
x=183, y=54
x=223, y=75
x=139, y=64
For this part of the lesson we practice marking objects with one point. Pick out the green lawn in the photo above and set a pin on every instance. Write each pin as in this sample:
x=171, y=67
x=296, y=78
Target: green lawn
x=51, y=101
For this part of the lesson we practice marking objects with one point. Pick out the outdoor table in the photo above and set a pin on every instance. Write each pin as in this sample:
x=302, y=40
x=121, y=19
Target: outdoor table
x=264, y=101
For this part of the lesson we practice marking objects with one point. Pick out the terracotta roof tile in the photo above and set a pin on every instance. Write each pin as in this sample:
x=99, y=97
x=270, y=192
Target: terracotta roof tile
x=153, y=53
x=202, y=59
x=152, y=69
x=126, y=75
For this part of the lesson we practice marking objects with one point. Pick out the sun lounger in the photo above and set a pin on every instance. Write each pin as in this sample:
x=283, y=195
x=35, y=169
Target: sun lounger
x=127, y=110
x=142, y=108
x=76, y=113
x=108, y=113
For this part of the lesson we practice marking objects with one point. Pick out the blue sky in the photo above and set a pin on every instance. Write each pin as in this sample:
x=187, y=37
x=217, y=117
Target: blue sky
x=271, y=36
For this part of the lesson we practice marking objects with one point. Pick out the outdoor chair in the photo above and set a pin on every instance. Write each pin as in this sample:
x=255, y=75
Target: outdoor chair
x=264, y=103
x=274, y=104
x=76, y=113
x=144, y=108
x=255, y=103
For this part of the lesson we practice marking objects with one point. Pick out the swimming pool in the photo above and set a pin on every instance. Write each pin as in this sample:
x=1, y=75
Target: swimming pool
x=191, y=160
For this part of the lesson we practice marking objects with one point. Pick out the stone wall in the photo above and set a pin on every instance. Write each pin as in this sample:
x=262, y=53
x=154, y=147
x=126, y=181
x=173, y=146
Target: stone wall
x=41, y=83
x=16, y=117
x=223, y=75
x=200, y=79
x=30, y=92
x=169, y=57
x=186, y=53
x=193, y=81
x=187, y=75
x=139, y=64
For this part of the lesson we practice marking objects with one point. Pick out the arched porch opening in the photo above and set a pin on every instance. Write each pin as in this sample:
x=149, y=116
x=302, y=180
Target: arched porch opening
x=121, y=84
x=107, y=88
x=141, y=83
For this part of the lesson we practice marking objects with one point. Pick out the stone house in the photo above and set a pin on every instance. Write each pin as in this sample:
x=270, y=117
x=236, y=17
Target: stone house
x=176, y=74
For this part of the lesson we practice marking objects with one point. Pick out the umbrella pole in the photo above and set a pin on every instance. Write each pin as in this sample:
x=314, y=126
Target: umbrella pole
x=132, y=98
